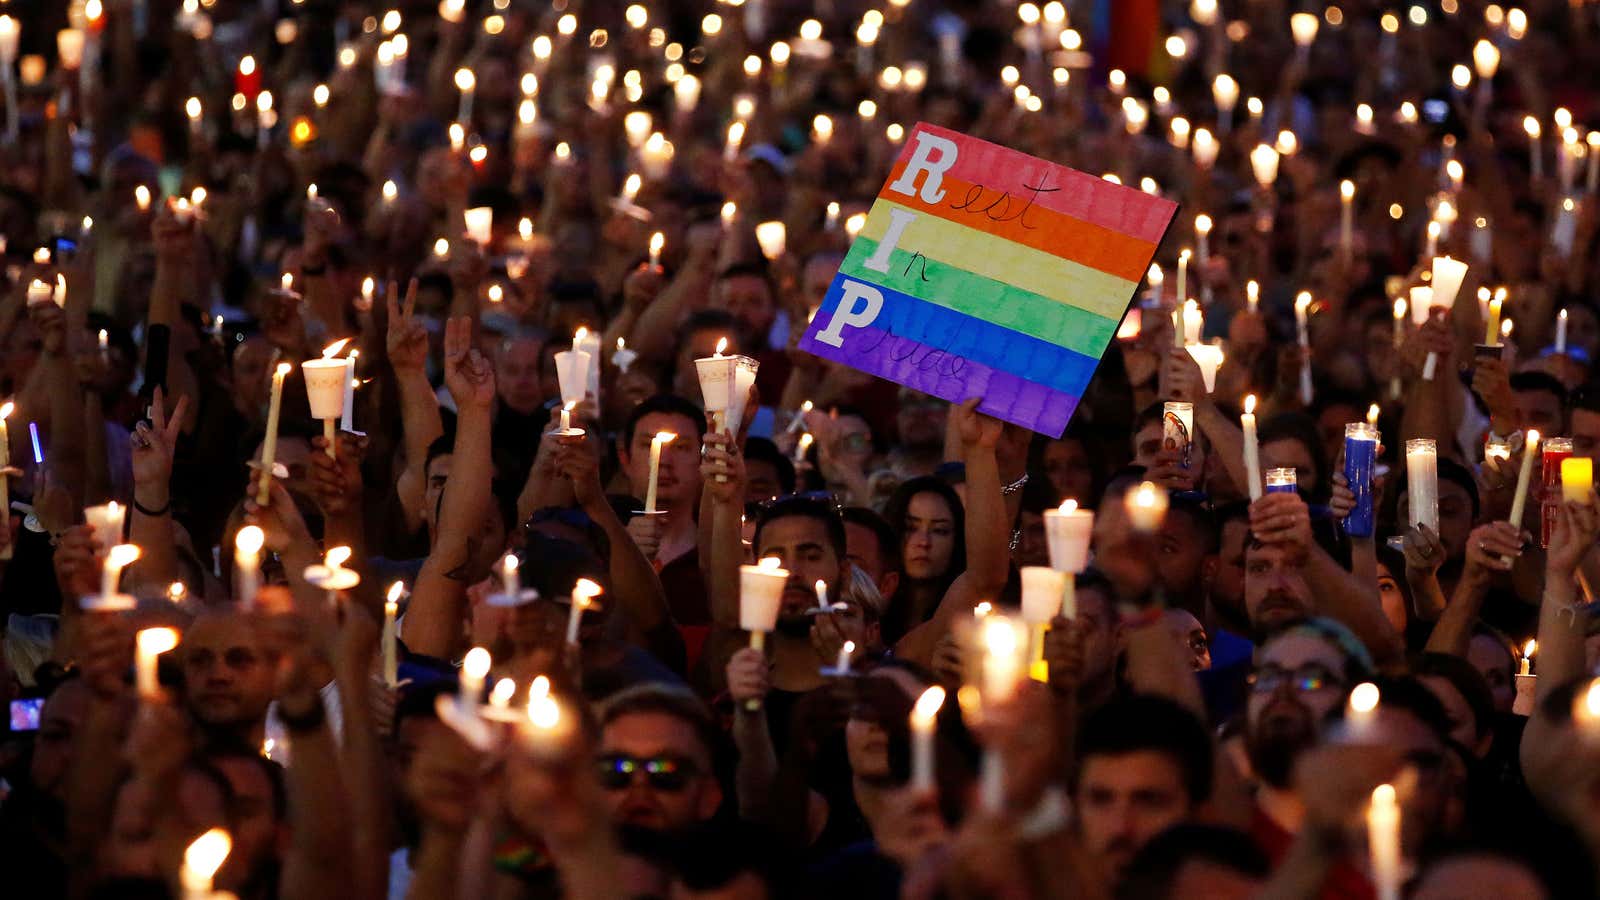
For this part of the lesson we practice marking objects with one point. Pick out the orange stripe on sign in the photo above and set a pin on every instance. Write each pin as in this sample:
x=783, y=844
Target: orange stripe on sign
x=1025, y=220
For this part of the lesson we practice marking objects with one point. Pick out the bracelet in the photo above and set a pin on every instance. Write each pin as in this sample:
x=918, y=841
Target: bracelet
x=306, y=722
x=1015, y=486
x=142, y=510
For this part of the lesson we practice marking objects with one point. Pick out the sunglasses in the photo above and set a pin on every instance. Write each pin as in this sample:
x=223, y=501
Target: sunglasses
x=1309, y=677
x=668, y=774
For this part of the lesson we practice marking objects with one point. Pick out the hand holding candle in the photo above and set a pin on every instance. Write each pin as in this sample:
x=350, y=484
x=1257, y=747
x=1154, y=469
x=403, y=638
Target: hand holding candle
x=661, y=439
x=1520, y=501
x=269, y=446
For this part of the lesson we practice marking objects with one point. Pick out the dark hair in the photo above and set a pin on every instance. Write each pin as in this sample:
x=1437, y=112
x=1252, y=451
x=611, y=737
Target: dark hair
x=888, y=540
x=751, y=269
x=1457, y=474
x=671, y=700
x=270, y=770
x=1235, y=511
x=807, y=508
x=1200, y=514
x=443, y=445
x=1300, y=427
x=762, y=449
x=709, y=320
x=1152, y=873
x=1146, y=722
x=662, y=403
x=419, y=700
x=1154, y=413
x=899, y=505
x=1467, y=681
x=1540, y=381
x=1409, y=694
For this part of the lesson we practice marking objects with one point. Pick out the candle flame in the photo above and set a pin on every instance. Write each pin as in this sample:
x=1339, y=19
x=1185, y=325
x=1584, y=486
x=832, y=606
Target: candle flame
x=6, y=408
x=477, y=662
x=543, y=710
x=176, y=591
x=336, y=557
x=663, y=437
x=1302, y=301
x=1400, y=307
x=1347, y=189
x=1505, y=327
x=1364, y=697
x=928, y=706
x=770, y=563
x=509, y=563
x=206, y=853
x=580, y=335
x=722, y=346
x=1146, y=494
x=1202, y=224
x=395, y=590
x=249, y=539
x=155, y=641
x=283, y=369
x=1372, y=414
x=332, y=350
x=504, y=690
x=1069, y=506
x=1529, y=647
x=585, y=591
x=122, y=555
x=1383, y=795
x=807, y=407
x=657, y=240
x=1533, y=438
x=999, y=638
x=982, y=610
x=1591, y=699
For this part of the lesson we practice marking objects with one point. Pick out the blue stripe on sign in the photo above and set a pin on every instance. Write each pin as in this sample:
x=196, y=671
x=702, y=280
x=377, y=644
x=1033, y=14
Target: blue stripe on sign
x=963, y=337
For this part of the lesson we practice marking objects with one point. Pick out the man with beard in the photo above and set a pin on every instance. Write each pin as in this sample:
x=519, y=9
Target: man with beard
x=1303, y=674
x=228, y=679
x=258, y=819
x=657, y=759
x=1144, y=765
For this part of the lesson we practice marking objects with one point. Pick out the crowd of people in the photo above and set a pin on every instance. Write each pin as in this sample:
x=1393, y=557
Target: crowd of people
x=497, y=632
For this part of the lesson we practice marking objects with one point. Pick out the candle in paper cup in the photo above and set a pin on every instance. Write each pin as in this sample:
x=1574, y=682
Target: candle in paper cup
x=325, y=389
x=247, y=546
x=661, y=439
x=269, y=446
x=149, y=644
x=106, y=522
x=1067, y=531
x=1520, y=501
x=201, y=860
x=760, y=596
x=572, y=375
x=480, y=225
x=1042, y=587
x=1383, y=841
x=1209, y=358
x=474, y=670
x=1422, y=482
x=1448, y=274
x=118, y=558
x=725, y=383
x=1252, y=448
x=772, y=236
x=924, y=719
x=583, y=594
x=1577, y=479
x=1147, y=506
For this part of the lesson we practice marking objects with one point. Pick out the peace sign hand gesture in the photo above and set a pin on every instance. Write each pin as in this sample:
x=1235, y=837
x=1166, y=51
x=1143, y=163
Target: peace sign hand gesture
x=467, y=373
x=153, y=445
x=406, y=338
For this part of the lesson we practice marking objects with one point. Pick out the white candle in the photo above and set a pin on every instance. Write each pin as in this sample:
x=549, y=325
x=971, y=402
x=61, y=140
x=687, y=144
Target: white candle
x=474, y=669
x=1183, y=280
x=822, y=594
x=1383, y=841
x=391, y=655
x=1524, y=476
x=801, y=447
x=760, y=596
x=1347, y=216
x=1042, y=588
x=106, y=523
x=117, y=559
x=1422, y=482
x=149, y=644
x=1361, y=711
x=508, y=576
x=1209, y=358
x=1302, y=308
x=657, y=240
x=841, y=666
x=1561, y=341
x=583, y=594
x=467, y=84
x=269, y=447
x=247, y=561
x=1252, y=451
x=201, y=861
x=1252, y=297
x=661, y=439
x=1202, y=237
x=1193, y=322
x=924, y=721
x=1146, y=506
x=347, y=417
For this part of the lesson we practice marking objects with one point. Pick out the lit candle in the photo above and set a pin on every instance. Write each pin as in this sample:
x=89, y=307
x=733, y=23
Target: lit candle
x=1002, y=666
x=1491, y=331
x=1383, y=841
x=1577, y=479
x=347, y=414
x=1264, y=164
x=656, y=242
x=1302, y=309
x=201, y=860
x=1360, y=454
x=1561, y=331
x=661, y=439
x=1067, y=531
x=1225, y=92
x=1252, y=297
x=1146, y=506
x=474, y=669
x=583, y=594
x=509, y=585
x=247, y=546
x=1530, y=125
x=623, y=359
x=500, y=698
x=566, y=416
x=1552, y=453
x=1361, y=712
x=771, y=236
x=106, y=522
x=326, y=380
x=1193, y=322
x=725, y=383
x=269, y=446
x=1282, y=480
x=118, y=558
x=149, y=644
x=467, y=84
x=1252, y=450
x=1182, y=285
x=802, y=447
x=760, y=596
x=924, y=719
x=1524, y=475
x=391, y=613
x=1422, y=482
x=1527, y=657
x=841, y=666
x=822, y=594
x=1347, y=216
x=480, y=224
x=1202, y=236
x=799, y=420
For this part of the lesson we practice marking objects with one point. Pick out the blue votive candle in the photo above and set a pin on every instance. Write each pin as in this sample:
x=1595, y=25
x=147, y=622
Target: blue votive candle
x=1360, y=453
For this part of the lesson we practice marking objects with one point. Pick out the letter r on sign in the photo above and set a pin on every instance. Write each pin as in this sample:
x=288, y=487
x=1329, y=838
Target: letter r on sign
x=846, y=312
x=922, y=161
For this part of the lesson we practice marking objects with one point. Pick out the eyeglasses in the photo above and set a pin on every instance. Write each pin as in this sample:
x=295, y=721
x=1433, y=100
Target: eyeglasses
x=1309, y=677
x=669, y=774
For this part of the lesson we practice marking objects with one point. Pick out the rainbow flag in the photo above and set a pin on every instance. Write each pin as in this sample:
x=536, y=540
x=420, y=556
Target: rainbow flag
x=984, y=272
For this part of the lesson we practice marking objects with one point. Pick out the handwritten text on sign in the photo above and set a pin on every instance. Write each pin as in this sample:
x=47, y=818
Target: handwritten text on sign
x=984, y=272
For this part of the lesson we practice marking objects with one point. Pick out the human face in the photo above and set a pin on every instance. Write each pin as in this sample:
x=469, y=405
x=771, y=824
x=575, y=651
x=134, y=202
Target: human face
x=930, y=536
x=1101, y=634
x=678, y=483
x=250, y=381
x=920, y=420
x=1146, y=444
x=760, y=481
x=1275, y=590
x=852, y=440
x=1181, y=558
x=1463, y=724
x=517, y=374
x=1288, y=453
x=866, y=741
x=861, y=549
x=1191, y=634
x=253, y=820
x=1394, y=602
x=1586, y=434
x=227, y=672
x=1124, y=800
x=54, y=748
x=801, y=543
x=1066, y=464
x=1423, y=809
x=747, y=298
x=649, y=736
x=1493, y=660
x=1283, y=721
x=1538, y=409
x=134, y=846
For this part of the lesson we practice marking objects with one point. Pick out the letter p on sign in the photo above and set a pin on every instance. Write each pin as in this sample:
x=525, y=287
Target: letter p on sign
x=847, y=312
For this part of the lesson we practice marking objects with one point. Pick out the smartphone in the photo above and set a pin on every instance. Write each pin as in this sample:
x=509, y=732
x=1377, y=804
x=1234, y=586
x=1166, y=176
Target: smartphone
x=25, y=714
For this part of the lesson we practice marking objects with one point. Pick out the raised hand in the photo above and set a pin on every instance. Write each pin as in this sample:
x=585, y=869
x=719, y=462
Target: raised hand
x=974, y=428
x=406, y=339
x=106, y=653
x=1423, y=550
x=1181, y=378
x=749, y=676
x=646, y=533
x=1343, y=500
x=336, y=481
x=1493, y=547
x=467, y=373
x=1064, y=654
x=279, y=520
x=153, y=446
x=577, y=463
x=720, y=458
x=1577, y=529
x=1281, y=519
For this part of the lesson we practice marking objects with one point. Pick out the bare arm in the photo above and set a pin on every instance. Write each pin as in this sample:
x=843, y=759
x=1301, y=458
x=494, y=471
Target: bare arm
x=361, y=758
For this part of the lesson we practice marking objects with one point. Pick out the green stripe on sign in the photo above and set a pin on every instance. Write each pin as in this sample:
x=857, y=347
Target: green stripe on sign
x=984, y=298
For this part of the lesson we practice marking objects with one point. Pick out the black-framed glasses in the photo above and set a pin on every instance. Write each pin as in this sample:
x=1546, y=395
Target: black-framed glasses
x=668, y=774
x=1305, y=679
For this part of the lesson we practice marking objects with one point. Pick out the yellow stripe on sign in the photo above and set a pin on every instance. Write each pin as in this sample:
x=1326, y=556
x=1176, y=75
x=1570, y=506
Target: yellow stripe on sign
x=1006, y=261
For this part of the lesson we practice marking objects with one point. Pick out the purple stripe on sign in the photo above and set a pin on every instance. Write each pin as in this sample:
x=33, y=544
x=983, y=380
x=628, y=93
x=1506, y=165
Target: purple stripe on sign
x=933, y=371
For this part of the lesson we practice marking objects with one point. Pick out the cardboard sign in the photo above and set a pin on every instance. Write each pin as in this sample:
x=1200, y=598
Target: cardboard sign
x=984, y=272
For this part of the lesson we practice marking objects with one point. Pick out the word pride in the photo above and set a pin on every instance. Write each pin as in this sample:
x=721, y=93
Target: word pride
x=984, y=272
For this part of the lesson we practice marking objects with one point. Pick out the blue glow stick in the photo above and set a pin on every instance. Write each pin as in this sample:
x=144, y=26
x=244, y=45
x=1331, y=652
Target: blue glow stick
x=38, y=454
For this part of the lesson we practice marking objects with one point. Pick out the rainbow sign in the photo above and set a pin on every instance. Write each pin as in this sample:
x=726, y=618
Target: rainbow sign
x=984, y=272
